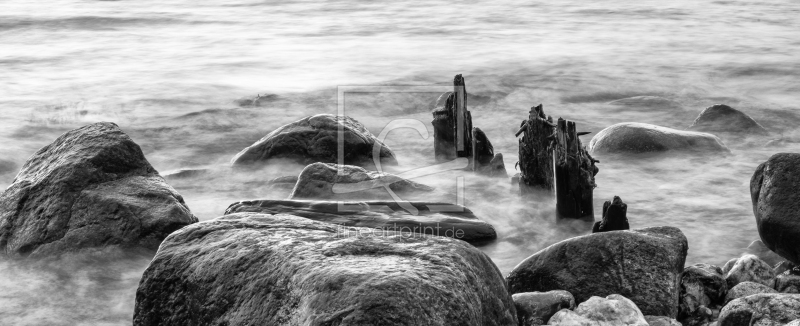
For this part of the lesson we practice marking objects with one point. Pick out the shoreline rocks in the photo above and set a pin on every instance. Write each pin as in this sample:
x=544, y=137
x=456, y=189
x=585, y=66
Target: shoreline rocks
x=315, y=139
x=380, y=216
x=769, y=309
x=643, y=265
x=536, y=308
x=249, y=268
x=637, y=138
x=91, y=187
x=611, y=310
x=775, y=197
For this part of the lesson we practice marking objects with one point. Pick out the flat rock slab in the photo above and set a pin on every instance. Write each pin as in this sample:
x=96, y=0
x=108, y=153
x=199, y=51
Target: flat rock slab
x=260, y=269
x=316, y=139
x=381, y=215
x=643, y=265
x=634, y=137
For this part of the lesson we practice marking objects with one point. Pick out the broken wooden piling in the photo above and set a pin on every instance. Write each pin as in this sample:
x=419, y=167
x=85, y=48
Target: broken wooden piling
x=452, y=125
x=614, y=217
x=536, y=152
x=574, y=173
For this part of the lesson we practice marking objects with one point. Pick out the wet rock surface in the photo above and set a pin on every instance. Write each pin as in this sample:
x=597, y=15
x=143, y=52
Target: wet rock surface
x=776, y=204
x=536, y=308
x=721, y=118
x=333, y=181
x=643, y=265
x=91, y=187
x=315, y=139
x=259, y=269
x=635, y=138
x=381, y=216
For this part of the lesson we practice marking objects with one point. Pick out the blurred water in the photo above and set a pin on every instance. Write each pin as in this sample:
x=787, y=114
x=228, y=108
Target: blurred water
x=147, y=65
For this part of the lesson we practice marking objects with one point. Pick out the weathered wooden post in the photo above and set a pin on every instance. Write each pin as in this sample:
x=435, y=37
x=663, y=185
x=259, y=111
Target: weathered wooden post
x=452, y=125
x=614, y=217
x=484, y=160
x=536, y=153
x=574, y=173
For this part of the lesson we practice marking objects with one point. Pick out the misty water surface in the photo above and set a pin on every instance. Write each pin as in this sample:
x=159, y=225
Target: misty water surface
x=169, y=72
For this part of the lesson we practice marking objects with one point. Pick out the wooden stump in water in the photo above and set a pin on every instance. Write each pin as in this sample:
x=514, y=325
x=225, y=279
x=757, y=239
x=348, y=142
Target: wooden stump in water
x=614, y=217
x=536, y=152
x=452, y=125
x=574, y=173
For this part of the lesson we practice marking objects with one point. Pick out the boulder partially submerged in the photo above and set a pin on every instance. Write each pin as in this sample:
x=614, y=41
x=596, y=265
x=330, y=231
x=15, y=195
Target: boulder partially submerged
x=721, y=118
x=775, y=197
x=636, y=138
x=432, y=218
x=92, y=187
x=643, y=265
x=333, y=181
x=316, y=139
x=258, y=269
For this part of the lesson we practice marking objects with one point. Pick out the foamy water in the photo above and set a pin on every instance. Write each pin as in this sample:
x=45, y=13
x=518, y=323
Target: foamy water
x=168, y=74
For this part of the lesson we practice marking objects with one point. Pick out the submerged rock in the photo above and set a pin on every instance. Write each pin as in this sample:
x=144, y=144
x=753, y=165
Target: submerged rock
x=723, y=118
x=643, y=265
x=766, y=309
x=258, y=269
x=775, y=196
x=749, y=268
x=92, y=187
x=536, y=308
x=613, y=310
x=646, y=103
x=744, y=289
x=333, y=181
x=702, y=287
x=185, y=173
x=634, y=138
x=381, y=216
x=315, y=139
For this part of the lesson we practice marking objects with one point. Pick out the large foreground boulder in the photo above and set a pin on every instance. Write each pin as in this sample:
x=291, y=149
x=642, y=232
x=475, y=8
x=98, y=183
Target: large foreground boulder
x=767, y=309
x=643, y=265
x=316, y=139
x=613, y=310
x=776, y=204
x=333, y=181
x=380, y=216
x=722, y=118
x=635, y=138
x=258, y=269
x=91, y=187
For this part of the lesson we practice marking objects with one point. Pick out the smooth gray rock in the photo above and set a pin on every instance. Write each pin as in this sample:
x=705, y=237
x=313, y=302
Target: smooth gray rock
x=722, y=118
x=766, y=309
x=744, y=289
x=613, y=310
x=316, y=139
x=333, y=181
x=776, y=204
x=92, y=187
x=643, y=265
x=750, y=268
x=634, y=138
x=258, y=269
x=536, y=308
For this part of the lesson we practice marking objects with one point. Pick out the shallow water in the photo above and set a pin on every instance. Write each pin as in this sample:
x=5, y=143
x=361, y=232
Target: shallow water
x=169, y=74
